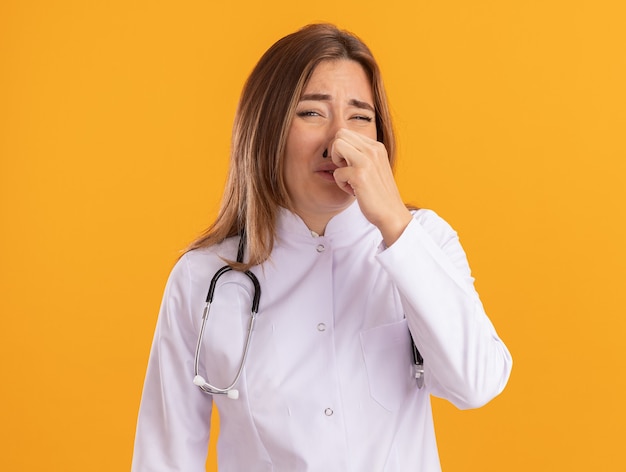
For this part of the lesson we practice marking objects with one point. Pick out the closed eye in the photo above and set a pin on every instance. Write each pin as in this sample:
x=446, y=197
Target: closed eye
x=307, y=113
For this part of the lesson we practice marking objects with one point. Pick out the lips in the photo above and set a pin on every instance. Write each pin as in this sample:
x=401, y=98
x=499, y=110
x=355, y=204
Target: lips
x=326, y=171
x=330, y=167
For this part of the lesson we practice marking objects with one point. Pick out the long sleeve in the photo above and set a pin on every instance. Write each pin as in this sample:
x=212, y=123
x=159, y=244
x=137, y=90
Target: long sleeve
x=465, y=362
x=174, y=417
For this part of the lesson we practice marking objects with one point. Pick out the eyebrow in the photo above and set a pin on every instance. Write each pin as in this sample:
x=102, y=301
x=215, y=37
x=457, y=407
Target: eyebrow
x=322, y=97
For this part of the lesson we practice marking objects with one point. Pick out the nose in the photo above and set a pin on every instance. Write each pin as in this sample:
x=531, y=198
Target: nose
x=335, y=125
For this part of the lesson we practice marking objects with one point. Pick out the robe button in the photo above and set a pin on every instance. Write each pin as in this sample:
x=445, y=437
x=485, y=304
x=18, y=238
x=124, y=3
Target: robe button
x=320, y=248
x=328, y=411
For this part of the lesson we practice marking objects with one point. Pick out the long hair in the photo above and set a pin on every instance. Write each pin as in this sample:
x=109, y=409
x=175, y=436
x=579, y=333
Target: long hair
x=255, y=187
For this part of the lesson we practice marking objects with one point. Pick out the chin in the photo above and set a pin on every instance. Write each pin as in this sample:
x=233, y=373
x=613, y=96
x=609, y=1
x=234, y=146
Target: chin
x=329, y=201
x=337, y=203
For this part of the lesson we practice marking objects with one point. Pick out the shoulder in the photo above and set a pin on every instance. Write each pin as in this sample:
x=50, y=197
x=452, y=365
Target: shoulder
x=200, y=264
x=436, y=227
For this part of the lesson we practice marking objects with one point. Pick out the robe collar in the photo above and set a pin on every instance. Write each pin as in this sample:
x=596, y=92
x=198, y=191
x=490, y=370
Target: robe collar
x=347, y=225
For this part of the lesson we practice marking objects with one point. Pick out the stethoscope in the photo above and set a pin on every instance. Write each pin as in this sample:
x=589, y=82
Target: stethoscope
x=230, y=391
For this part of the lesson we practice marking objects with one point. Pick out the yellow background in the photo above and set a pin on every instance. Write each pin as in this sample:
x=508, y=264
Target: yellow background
x=114, y=134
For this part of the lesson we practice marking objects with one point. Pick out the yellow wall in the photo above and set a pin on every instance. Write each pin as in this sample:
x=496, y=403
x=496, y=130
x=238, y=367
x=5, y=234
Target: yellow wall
x=114, y=132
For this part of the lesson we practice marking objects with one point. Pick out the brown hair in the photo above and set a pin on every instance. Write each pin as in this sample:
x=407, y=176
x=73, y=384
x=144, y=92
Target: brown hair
x=255, y=188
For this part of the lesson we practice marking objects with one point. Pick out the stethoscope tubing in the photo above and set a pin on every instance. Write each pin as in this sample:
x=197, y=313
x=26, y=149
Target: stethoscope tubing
x=204, y=385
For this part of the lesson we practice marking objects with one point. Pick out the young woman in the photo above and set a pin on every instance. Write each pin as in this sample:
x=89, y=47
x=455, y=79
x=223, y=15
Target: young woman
x=347, y=276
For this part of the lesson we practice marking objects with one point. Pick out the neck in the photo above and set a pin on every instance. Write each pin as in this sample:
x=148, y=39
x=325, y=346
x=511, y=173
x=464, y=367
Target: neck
x=317, y=221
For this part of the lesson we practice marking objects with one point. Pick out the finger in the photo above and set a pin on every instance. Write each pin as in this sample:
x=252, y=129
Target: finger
x=343, y=147
x=360, y=142
x=344, y=152
x=352, y=148
x=342, y=179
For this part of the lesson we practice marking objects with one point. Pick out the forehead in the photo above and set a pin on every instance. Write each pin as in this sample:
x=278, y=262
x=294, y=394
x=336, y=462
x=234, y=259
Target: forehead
x=340, y=76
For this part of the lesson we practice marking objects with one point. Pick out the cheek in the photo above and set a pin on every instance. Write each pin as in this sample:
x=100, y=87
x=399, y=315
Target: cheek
x=373, y=131
x=291, y=158
x=294, y=162
x=300, y=151
x=301, y=141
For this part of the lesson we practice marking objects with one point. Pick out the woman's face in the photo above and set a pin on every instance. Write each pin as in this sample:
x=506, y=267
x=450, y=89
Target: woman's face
x=338, y=95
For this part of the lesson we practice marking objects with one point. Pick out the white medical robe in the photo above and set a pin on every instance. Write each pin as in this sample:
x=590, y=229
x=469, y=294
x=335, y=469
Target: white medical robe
x=328, y=385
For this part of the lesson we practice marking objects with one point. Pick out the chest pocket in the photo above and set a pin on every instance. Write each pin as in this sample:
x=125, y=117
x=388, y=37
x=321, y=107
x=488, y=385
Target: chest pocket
x=387, y=355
